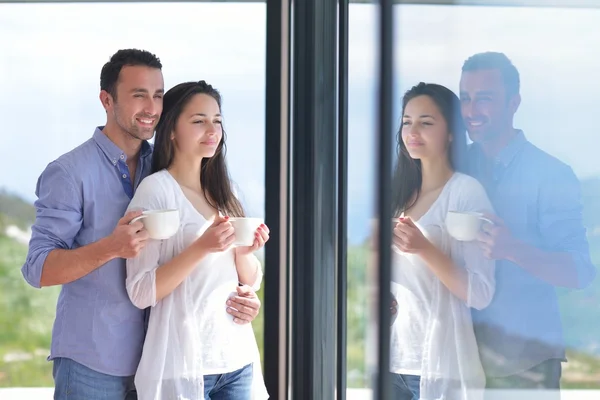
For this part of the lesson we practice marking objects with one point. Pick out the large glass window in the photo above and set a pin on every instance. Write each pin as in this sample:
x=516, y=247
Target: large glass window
x=49, y=73
x=550, y=47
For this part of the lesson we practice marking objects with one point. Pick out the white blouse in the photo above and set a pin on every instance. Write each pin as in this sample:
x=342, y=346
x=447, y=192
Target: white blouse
x=432, y=336
x=190, y=334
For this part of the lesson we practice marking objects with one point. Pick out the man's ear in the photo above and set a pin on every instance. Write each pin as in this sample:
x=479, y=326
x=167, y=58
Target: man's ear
x=106, y=99
x=514, y=103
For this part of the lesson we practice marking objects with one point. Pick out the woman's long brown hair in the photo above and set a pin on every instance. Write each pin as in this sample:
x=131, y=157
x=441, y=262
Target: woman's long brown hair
x=406, y=185
x=214, y=179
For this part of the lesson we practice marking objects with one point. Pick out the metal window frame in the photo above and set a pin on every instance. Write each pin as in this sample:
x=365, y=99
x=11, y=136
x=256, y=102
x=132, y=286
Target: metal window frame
x=383, y=197
x=477, y=3
x=277, y=204
x=306, y=144
x=314, y=193
x=342, y=202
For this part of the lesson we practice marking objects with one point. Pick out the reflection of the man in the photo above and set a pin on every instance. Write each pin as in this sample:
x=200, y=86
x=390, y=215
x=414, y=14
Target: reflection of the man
x=539, y=240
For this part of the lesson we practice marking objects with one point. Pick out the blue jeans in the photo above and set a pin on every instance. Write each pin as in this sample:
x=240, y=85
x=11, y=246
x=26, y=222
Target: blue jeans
x=73, y=381
x=406, y=387
x=234, y=385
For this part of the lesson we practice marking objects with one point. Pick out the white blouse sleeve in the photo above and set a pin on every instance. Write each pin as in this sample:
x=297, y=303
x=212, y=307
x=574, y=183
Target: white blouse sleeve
x=480, y=270
x=259, y=272
x=141, y=270
x=259, y=275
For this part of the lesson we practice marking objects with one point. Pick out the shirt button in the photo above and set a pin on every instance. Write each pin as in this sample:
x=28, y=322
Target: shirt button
x=115, y=162
x=122, y=157
x=124, y=176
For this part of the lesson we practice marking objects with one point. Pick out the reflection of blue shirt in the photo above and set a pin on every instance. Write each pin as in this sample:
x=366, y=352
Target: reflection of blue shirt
x=81, y=197
x=538, y=197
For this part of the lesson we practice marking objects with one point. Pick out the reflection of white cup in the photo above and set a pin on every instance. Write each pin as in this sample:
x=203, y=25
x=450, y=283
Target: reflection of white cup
x=160, y=224
x=375, y=227
x=465, y=226
x=374, y=222
x=244, y=230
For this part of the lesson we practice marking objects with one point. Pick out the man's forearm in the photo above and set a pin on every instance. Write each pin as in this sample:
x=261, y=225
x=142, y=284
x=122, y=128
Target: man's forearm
x=65, y=266
x=555, y=268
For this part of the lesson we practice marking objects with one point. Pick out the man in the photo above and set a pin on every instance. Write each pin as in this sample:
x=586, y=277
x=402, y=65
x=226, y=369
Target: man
x=538, y=237
x=80, y=239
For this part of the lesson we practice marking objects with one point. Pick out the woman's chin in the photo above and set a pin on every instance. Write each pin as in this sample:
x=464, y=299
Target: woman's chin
x=207, y=154
x=417, y=155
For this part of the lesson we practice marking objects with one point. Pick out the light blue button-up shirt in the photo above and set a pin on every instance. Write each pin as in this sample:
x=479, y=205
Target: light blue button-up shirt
x=539, y=199
x=81, y=197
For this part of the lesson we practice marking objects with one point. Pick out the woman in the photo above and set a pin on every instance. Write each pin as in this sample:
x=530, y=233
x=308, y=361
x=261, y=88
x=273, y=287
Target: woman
x=194, y=349
x=436, y=279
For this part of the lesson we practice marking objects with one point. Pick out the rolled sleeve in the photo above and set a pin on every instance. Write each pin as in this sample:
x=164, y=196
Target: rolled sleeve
x=259, y=275
x=561, y=222
x=58, y=219
x=480, y=270
x=141, y=275
x=141, y=270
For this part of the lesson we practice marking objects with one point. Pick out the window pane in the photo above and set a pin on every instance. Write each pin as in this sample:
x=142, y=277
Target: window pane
x=550, y=49
x=533, y=317
x=362, y=120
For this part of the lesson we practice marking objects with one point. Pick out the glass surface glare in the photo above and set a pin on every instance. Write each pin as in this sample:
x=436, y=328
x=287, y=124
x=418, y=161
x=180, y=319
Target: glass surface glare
x=550, y=47
x=49, y=73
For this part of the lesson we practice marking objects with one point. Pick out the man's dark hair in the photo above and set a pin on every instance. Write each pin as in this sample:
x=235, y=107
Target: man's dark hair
x=499, y=61
x=126, y=57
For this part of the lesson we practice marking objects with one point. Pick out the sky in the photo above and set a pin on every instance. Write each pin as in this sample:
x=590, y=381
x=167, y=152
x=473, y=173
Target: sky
x=50, y=67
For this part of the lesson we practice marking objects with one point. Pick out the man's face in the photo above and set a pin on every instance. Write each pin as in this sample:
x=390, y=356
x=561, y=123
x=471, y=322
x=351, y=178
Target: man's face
x=486, y=108
x=139, y=101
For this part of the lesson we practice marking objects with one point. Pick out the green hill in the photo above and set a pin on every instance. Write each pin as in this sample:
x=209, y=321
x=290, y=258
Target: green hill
x=26, y=314
x=26, y=317
x=15, y=211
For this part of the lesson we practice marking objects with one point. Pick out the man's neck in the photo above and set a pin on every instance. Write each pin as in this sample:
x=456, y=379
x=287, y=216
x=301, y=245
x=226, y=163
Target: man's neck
x=492, y=148
x=128, y=144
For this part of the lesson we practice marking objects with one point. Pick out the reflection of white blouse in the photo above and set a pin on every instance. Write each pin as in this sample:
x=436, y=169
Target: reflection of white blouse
x=432, y=336
x=190, y=334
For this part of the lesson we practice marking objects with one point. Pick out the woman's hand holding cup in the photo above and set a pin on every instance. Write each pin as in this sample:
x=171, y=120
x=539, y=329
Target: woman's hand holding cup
x=261, y=236
x=218, y=237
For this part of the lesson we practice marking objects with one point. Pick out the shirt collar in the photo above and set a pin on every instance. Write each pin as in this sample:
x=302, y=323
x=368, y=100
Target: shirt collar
x=508, y=153
x=112, y=151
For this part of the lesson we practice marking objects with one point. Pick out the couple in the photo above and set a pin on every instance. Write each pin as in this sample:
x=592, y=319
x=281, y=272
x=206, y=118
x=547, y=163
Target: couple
x=198, y=342
x=481, y=314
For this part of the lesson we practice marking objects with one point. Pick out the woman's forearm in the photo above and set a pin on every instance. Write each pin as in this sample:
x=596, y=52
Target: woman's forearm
x=171, y=274
x=453, y=277
x=247, y=268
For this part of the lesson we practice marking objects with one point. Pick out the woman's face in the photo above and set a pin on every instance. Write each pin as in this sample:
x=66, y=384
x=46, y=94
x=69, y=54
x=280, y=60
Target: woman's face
x=198, y=130
x=424, y=129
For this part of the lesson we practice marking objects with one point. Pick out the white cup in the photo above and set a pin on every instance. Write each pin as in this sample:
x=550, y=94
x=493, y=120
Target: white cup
x=465, y=226
x=374, y=222
x=244, y=230
x=160, y=224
